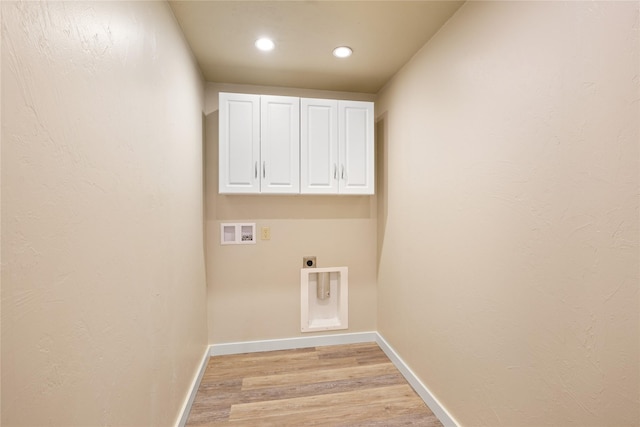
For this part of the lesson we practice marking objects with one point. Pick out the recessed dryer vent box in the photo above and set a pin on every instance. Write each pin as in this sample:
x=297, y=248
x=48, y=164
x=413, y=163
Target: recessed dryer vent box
x=324, y=299
x=238, y=233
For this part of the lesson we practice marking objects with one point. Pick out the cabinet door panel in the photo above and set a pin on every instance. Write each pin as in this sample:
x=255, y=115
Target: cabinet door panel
x=239, y=143
x=280, y=144
x=356, y=147
x=319, y=146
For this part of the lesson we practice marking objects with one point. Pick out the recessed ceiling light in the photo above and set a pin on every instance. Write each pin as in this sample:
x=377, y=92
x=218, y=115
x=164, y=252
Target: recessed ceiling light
x=265, y=44
x=342, y=52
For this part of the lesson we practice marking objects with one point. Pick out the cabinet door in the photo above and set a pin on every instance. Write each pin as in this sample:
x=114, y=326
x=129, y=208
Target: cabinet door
x=319, y=146
x=280, y=144
x=239, y=143
x=355, y=139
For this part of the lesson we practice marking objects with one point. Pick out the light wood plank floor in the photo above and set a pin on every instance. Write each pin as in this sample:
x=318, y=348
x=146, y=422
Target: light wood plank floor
x=343, y=385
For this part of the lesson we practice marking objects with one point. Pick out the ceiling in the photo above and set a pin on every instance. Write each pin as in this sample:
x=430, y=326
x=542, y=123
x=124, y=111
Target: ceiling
x=384, y=35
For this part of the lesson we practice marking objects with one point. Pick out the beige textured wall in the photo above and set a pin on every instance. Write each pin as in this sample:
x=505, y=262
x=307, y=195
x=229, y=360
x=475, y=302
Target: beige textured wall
x=254, y=290
x=508, y=276
x=103, y=282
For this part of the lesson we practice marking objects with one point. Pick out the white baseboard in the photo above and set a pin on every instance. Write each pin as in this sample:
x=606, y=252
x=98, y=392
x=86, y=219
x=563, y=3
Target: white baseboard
x=291, y=343
x=195, y=384
x=319, y=340
x=436, y=407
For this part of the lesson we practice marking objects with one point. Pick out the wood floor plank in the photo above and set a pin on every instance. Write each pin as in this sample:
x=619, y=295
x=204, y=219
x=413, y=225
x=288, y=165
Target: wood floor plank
x=263, y=366
x=222, y=399
x=392, y=400
x=319, y=375
x=262, y=359
x=350, y=350
x=243, y=365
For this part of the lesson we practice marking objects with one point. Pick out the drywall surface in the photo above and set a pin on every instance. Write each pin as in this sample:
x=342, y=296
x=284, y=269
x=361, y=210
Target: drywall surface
x=103, y=282
x=511, y=144
x=254, y=290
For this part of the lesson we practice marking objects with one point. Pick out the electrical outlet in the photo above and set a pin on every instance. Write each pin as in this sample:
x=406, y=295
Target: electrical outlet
x=266, y=233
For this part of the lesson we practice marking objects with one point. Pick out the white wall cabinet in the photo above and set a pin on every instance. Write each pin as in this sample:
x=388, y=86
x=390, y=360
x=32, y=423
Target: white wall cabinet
x=239, y=143
x=356, y=147
x=259, y=144
x=337, y=147
x=319, y=146
x=289, y=145
x=280, y=144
